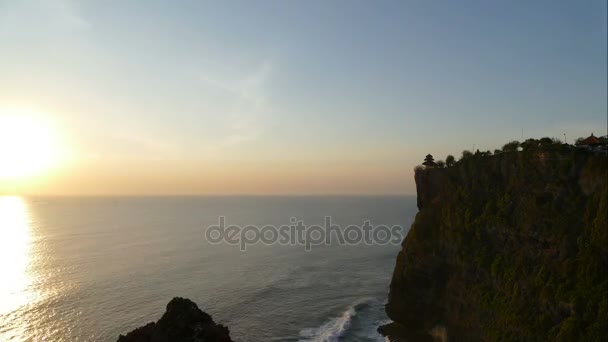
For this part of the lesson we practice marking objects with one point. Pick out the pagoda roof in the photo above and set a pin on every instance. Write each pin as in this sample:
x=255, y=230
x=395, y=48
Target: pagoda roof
x=591, y=140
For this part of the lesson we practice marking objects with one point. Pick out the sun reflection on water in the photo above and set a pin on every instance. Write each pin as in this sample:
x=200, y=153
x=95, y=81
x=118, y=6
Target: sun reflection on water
x=15, y=239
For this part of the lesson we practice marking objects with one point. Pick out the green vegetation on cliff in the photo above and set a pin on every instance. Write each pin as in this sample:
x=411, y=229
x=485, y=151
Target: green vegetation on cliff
x=511, y=246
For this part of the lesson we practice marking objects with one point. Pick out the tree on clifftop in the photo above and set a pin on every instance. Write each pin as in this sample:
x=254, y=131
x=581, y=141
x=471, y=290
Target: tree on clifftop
x=511, y=146
x=466, y=154
x=450, y=160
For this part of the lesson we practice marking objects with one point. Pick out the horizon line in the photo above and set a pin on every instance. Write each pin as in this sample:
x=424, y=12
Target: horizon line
x=215, y=195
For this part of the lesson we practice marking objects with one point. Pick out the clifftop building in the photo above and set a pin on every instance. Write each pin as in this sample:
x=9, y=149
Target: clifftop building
x=429, y=161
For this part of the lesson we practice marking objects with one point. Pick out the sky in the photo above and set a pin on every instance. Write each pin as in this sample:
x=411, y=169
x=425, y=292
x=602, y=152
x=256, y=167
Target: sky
x=292, y=97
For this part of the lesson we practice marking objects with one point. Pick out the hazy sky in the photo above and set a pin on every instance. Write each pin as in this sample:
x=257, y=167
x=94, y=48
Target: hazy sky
x=307, y=96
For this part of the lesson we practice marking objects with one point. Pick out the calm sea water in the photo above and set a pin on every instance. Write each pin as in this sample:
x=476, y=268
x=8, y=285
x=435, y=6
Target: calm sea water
x=88, y=269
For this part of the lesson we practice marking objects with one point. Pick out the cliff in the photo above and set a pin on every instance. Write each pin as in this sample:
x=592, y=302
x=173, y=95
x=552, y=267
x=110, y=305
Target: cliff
x=511, y=246
x=184, y=322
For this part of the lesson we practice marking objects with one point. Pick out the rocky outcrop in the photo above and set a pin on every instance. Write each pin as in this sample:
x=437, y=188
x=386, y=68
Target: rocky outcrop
x=506, y=247
x=428, y=184
x=182, y=322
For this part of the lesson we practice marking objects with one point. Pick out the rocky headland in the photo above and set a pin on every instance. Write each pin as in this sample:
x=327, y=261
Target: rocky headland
x=510, y=245
x=182, y=322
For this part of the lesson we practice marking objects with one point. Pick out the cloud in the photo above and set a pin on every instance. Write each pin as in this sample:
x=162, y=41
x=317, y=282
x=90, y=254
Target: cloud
x=153, y=97
x=249, y=106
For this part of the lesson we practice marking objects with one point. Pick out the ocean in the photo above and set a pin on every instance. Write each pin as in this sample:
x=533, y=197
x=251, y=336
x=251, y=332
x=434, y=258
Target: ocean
x=91, y=268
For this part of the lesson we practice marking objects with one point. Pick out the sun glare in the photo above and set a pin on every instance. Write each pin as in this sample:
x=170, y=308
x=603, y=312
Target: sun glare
x=14, y=253
x=28, y=145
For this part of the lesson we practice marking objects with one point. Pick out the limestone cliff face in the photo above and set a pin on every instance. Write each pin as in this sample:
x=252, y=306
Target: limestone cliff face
x=506, y=247
x=428, y=185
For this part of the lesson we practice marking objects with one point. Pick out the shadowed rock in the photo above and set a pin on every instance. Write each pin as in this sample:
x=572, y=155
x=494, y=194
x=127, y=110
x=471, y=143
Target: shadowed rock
x=182, y=322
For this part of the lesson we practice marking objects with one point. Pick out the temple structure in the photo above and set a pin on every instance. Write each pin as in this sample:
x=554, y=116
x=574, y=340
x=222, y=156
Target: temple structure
x=429, y=161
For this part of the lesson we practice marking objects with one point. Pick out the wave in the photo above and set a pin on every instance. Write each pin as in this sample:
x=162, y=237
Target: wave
x=332, y=330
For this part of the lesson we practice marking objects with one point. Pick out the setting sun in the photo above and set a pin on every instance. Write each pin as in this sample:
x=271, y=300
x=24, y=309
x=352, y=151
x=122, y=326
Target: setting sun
x=28, y=145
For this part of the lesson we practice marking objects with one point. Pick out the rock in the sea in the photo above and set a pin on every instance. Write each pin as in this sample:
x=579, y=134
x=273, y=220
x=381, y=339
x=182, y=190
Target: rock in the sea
x=182, y=322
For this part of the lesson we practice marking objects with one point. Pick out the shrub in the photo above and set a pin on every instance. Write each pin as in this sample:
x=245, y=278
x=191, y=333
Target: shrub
x=530, y=144
x=466, y=155
x=450, y=160
x=545, y=141
x=511, y=146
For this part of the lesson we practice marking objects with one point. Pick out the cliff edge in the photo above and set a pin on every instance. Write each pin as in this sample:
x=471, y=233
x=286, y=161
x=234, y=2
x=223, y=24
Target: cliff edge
x=511, y=246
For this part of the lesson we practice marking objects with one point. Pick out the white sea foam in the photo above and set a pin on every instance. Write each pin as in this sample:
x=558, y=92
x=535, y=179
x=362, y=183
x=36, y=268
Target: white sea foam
x=374, y=335
x=332, y=330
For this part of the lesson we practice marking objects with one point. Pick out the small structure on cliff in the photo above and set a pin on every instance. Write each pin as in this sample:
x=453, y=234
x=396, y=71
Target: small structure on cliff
x=589, y=142
x=594, y=144
x=429, y=161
